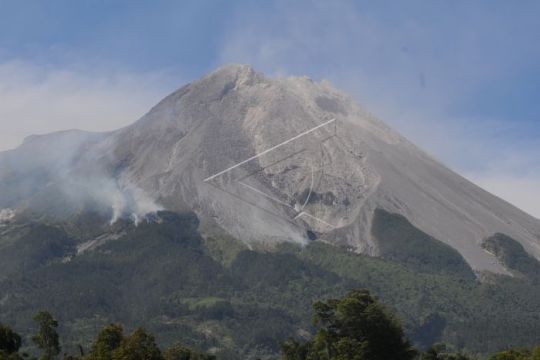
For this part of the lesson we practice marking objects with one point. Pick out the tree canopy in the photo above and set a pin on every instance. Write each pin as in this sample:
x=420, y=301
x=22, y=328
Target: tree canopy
x=513, y=354
x=354, y=327
x=139, y=346
x=107, y=341
x=47, y=339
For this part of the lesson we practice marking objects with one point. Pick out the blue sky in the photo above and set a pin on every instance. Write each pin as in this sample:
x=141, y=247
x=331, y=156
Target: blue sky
x=459, y=78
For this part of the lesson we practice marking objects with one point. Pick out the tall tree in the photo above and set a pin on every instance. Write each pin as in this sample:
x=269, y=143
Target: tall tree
x=355, y=327
x=108, y=340
x=46, y=338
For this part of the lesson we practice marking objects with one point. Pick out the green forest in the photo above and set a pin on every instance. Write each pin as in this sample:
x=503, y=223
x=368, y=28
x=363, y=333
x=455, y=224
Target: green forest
x=190, y=283
x=354, y=327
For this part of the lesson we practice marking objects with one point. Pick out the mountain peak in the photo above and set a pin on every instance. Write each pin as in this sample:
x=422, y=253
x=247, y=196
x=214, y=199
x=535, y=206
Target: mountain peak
x=273, y=160
x=237, y=73
x=233, y=68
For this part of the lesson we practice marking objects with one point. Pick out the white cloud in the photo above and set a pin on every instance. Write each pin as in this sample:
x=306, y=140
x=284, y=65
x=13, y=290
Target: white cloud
x=36, y=99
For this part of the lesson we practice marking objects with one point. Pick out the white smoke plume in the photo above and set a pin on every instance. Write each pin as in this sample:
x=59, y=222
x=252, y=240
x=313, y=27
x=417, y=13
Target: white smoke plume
x=55, y=175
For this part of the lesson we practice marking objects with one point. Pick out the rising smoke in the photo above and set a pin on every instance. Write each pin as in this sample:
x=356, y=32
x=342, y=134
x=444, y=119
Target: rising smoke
x=57, y=175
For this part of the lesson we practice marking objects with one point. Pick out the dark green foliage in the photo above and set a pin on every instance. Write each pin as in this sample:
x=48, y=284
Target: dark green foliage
x=294, y=350
x=513, y=354
x=180, y=352
x=110, y=344
x=138, y=346
x=355, y=327
x=466, y=305
x=10, y=341
x=12, y=356
x=440, y=352
x=209, y=294
x=271, y=269
x=216, y=310
x=430, y=329
x=35, y=246
x=399, y=240
x=108, y=340
x=70, y=357
x=46, y=338
x=512, y=254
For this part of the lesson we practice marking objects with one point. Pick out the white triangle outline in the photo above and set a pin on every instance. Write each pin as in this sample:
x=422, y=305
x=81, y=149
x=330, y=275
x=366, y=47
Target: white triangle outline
x=275, y=147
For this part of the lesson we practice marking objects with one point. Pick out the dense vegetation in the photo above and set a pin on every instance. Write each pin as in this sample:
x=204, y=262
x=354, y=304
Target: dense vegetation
x=110, y=344
x=212, y=293
x=358, y=327
x=512, y=254
x=354, y=327
x=400, y=241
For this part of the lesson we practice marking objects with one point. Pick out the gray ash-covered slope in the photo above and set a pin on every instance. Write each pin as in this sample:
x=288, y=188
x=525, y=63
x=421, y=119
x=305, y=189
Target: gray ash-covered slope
x=324, y=183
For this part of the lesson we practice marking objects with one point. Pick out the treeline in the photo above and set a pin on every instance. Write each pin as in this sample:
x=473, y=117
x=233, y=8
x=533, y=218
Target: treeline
x=110, y=344
x=358, y=327
x=354, y=327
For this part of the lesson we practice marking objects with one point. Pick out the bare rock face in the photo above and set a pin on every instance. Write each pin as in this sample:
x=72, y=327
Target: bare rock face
x=273, y=160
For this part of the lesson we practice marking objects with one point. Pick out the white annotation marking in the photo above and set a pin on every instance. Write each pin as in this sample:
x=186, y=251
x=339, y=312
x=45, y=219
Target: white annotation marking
x=265, y=194
x=268, y=150
x=301, y=213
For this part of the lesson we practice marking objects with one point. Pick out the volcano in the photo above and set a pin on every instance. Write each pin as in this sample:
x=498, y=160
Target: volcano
x=268, y=161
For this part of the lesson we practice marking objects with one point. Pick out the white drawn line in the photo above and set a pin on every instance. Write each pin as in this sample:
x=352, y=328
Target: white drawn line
x=268, y=150
x=272, y=164
x=310, y=188
x=313, y=217
x=264, y=194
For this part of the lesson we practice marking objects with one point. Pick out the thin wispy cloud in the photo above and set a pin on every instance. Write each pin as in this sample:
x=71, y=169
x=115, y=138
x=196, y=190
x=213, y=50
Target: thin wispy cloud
x=36, y=100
